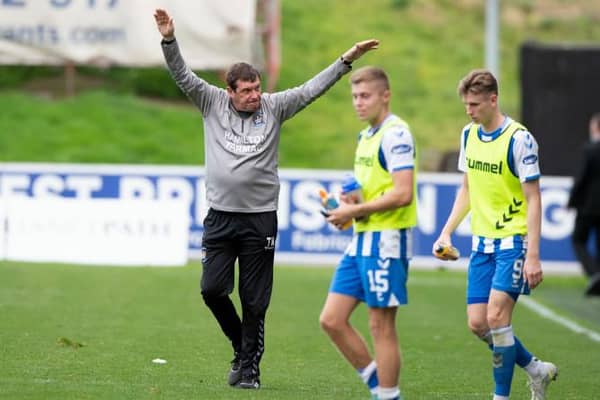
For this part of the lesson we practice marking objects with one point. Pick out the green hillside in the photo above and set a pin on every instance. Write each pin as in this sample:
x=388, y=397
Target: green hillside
x=138, y=116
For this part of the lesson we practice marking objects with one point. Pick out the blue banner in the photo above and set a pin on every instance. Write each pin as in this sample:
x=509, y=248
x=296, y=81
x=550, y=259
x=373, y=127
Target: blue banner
x=304, y=235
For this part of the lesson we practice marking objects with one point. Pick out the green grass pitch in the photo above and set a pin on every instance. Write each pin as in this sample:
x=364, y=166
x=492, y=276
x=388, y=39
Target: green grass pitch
x=74, y=332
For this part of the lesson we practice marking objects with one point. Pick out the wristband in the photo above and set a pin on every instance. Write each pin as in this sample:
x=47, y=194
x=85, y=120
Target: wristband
x=348, y=63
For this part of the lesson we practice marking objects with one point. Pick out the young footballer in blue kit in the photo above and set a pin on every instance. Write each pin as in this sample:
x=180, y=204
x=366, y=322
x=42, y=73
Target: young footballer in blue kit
x=375, y=266
x=500, y=188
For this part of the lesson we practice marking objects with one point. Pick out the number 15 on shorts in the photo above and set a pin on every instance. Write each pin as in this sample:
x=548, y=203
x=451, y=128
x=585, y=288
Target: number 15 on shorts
x=378, y=281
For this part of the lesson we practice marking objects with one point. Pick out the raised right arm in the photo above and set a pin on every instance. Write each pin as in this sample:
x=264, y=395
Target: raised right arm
x=201, y=93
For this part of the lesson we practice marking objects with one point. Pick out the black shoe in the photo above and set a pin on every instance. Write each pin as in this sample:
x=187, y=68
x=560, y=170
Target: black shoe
x=593, y=288
x=248, y=382
x=235, y=373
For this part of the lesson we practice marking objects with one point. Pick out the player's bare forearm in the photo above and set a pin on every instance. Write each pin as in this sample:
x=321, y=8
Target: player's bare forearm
x=389, y=201
x=532, y=269
x=532, y=194
x=401, y=195
x=460, y=209
x=442, y=248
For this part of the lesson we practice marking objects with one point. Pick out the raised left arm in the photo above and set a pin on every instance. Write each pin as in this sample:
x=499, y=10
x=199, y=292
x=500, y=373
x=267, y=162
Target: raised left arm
x=289, y=102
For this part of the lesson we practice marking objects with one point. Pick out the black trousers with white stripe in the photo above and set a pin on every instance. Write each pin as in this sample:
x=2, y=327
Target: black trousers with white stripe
x=248, y=238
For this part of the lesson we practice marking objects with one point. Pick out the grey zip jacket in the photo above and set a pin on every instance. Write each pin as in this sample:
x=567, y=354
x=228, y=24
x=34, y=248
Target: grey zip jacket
x=241, y=154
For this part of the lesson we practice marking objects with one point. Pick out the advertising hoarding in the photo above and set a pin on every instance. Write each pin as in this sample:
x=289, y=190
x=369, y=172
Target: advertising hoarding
x=304, y=236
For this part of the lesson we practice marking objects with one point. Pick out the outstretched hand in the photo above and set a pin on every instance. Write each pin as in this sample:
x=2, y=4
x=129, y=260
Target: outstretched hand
x=164, y=23
x=360, y=48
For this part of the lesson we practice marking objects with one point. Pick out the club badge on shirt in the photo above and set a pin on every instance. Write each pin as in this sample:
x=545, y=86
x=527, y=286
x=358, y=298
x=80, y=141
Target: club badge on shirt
x=258, y=118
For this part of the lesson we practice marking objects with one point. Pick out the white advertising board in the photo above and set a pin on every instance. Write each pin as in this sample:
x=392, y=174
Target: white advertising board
x=97, y=231
x=213, y=34
x=2, y=229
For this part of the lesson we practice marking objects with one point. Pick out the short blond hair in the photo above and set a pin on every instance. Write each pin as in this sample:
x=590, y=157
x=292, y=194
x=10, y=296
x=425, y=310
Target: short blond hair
x=478, y=81
x=370, y=74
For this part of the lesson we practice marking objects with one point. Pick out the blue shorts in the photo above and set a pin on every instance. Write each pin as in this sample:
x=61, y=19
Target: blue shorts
x=379, y=282
x=502, y=270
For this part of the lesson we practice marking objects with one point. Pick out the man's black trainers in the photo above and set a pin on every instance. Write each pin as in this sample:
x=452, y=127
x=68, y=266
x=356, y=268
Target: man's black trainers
x=248, y=382
x=235, y=373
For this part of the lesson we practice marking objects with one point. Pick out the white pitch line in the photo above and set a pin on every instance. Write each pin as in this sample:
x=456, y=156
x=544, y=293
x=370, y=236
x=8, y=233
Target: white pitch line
x=551, y=315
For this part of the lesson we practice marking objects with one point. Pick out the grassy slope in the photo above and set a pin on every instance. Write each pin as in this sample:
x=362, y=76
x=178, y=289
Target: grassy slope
x=426, y=47
x=97, y=127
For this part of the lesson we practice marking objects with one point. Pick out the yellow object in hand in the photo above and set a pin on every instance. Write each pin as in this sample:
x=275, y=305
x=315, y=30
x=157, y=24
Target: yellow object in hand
x=446, y=252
